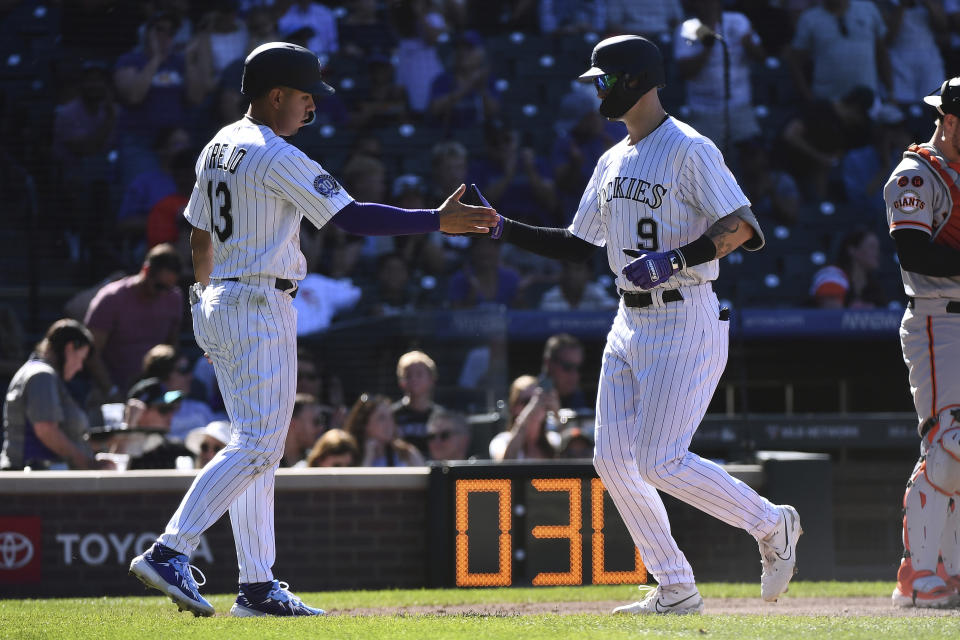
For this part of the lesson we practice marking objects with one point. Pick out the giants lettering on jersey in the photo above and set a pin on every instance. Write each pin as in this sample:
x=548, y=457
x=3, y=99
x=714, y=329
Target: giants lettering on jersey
x=909, y=201
x=218, y=158
x=633, y=189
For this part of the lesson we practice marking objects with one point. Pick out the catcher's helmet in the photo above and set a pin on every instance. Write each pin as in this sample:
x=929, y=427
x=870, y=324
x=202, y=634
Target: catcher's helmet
x=946, y=98
x=629, y=58
x=282, y=64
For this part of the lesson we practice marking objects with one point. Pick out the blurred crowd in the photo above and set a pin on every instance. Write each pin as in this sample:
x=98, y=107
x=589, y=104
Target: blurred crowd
x=171, y=416
x=105, y=103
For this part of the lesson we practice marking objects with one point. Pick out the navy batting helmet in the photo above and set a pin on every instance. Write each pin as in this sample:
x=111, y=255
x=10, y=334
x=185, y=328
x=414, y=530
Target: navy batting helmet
x=618, y=60
x=282, y=64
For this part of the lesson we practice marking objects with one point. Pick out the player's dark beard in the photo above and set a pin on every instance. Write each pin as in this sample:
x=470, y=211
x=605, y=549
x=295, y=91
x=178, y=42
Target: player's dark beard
x=619, y=100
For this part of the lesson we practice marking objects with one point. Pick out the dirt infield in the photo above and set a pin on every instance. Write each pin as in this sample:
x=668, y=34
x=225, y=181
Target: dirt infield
x=842, y=607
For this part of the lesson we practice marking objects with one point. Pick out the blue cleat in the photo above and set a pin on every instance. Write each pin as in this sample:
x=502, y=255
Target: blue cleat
x=279, y=602
x=174, y=578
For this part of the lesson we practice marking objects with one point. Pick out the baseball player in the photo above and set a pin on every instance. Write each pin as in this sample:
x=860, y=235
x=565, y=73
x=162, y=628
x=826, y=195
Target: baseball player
x=923, y=211
x=252, y=191
x=666, y=207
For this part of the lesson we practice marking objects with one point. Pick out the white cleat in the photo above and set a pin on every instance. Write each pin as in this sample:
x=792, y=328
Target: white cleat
x=676, y=599
x=778, y=554
x=929, y=592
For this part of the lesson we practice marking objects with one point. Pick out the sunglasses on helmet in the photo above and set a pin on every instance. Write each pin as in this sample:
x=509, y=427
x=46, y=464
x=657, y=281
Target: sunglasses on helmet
x=606, y=81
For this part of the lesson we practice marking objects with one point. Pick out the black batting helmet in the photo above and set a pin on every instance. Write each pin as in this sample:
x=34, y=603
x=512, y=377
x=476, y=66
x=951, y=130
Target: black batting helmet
x=282, y=64
x=626, y=57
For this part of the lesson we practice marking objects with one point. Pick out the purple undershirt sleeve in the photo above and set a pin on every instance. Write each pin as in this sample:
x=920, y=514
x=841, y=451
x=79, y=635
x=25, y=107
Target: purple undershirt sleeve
x=373, y=219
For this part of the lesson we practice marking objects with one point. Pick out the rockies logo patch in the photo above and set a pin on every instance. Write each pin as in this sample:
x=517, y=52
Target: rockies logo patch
x=325, y=185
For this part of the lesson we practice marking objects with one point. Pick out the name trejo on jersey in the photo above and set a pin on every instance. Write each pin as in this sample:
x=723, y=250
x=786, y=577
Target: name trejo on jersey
x=218, y=158
x=633, y=189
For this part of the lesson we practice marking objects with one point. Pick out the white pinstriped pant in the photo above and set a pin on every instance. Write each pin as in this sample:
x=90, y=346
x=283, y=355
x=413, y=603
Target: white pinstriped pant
x=250, y=333
x=660, y=368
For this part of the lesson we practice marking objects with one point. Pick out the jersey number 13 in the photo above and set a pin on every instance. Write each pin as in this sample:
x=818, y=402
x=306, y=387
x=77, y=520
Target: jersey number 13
x=220, y=197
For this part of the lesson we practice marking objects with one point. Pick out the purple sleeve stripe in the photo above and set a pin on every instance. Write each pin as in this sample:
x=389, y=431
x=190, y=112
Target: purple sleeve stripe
x=372, y=219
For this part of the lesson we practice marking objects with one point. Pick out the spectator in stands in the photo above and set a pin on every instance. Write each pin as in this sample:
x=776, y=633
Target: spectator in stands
x=11, y=344
x=316, y=17
x=151, y=186
x=576, y=444
x=653, y=19
x=365, y=178
x=952, y=46
x=228, y=104
x=43, y=424
x=562, y=359
x=335, y=448
x=576, y=292
x=448, y=436
x=701, y=64
x=175, y=372
x=158, y=87
x=497, y=16
x=813, y=142
x=773, y=193
x=320, y=299
x=465, y=96
x=129, y=316
x=423, y=252
x=328, y=389
x=363, y=33
x=306, y=425
x=844, y=39
x=221, y=40
x=483, y=281
x=572, y=17
x=528, y=437
x=417, y=378
x=865, y=169
x=583, y=135
x=371, y=422
x=150, y=406
x=84, y=128
x=392, y=294
x=385, y=101
x=852, y=282
x=913, y=28
x=84, y=132
x=418, y=64
x=514, y=178
x=206, y=442
x=165, y=221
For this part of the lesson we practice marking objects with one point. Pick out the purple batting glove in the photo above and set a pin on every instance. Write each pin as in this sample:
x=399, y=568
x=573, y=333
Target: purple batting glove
x=649, y=270
x=497, y=231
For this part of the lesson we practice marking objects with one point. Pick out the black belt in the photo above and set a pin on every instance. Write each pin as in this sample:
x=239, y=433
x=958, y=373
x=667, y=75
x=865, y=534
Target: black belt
x=282, y=284
x=952, y=307
x=639, y=300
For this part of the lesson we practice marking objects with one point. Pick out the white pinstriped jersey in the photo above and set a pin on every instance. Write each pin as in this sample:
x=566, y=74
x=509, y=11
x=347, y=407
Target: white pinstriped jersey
x=660, y=194
x=253, y=188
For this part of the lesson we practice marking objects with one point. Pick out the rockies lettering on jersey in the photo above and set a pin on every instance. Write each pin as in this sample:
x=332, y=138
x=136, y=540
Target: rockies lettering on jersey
x=635, y=189
x=660, y=194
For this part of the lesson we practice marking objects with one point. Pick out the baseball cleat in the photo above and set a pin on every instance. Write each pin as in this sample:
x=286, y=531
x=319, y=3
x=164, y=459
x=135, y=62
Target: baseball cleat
x=174, y=578
x=279, y=602
x=929, y=592
x=676, y=599
x=778, y=554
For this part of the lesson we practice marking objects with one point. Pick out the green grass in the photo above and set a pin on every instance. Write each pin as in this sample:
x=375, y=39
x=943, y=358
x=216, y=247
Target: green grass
x=156, y=618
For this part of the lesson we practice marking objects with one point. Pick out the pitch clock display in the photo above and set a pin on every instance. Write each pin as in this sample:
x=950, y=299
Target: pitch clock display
x=540, y=525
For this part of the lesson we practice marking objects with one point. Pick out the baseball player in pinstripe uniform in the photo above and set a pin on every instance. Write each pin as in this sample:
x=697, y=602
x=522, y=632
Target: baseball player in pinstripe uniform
x=252, y=191
x=666, y=207
x=923, y=211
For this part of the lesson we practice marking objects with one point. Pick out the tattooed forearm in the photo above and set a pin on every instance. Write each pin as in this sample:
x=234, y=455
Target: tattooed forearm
x=728, y=233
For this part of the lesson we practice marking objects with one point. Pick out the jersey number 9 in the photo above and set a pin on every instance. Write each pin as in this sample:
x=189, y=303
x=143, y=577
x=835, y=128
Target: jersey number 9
x=647, y=231
x=223, y=200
